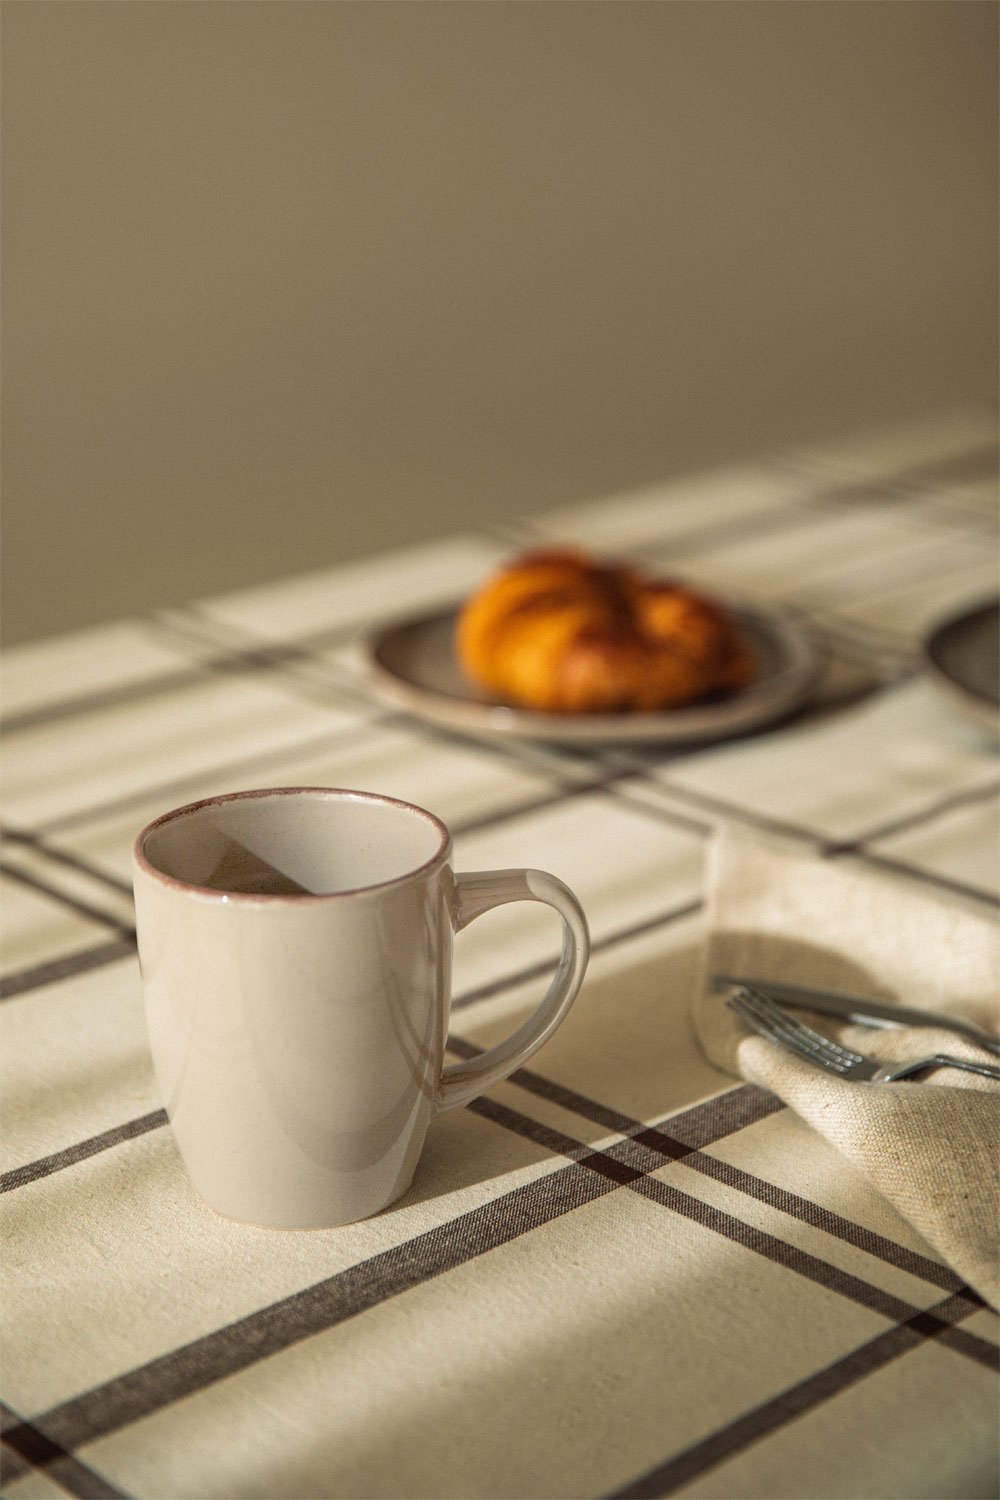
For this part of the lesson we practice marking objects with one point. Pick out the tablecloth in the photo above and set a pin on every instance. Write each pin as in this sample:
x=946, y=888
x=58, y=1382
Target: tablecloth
x=619, y=1273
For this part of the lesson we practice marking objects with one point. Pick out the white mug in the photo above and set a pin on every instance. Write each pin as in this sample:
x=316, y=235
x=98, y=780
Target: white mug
x=295, y=945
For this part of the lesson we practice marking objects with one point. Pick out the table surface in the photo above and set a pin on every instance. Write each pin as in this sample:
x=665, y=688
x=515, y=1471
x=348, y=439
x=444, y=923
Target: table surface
x=621, y=1272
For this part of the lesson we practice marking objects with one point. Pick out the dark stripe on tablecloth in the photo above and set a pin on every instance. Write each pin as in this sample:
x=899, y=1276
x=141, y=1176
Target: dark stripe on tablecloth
x=35, y=976
x=148, y=1388
x=700, y=1124
x=67, y=857
x=608, y=782
x=195, y=674
x=103, y=698
x=268, y=655
x=44, y=1166
x=183, y=788
x=21, y=981
x=808, y=1394
x=970, y=1344
x=616, y=770
x=830, y=847
x=598, y=945
x=226, y=1351
x=904, y=823
x=730, y=1110
x=681, y=1137
x=696, y=1126
x=25, y=1448
x=865, y=1293
x=82, y=908
x=279, y=1326
x=825, y=1219
x=976, y=893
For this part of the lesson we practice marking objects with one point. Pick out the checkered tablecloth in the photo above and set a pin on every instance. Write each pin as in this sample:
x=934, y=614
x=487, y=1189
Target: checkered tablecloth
x=619, y=1273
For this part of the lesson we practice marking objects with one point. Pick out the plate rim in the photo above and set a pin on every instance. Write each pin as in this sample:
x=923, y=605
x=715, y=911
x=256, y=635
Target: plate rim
x=776, y=697
x=984, y=708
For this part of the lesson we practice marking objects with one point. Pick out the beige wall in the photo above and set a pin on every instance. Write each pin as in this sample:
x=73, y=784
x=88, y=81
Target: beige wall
x=287, y=282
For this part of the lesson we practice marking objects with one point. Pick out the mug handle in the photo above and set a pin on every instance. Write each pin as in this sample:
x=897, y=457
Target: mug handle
x=476, y=893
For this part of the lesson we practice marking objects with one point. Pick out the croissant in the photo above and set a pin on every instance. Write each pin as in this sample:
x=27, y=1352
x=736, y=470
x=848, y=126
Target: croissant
x=559, y=632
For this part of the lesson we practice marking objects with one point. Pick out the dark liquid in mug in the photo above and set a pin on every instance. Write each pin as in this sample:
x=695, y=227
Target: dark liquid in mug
x=245, y=874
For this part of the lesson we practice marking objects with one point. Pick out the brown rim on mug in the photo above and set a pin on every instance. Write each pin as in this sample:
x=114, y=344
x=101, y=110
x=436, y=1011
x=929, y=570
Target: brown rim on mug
x=142, y=861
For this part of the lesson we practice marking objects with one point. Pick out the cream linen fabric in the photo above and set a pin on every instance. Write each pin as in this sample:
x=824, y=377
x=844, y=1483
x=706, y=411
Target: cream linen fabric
x=931, y=1147
x=623, y=1271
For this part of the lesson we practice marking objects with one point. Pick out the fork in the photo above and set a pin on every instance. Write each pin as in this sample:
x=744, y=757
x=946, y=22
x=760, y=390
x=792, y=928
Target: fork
x=763, y=1016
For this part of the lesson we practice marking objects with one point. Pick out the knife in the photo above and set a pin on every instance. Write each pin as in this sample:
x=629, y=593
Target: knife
x=863, y=1012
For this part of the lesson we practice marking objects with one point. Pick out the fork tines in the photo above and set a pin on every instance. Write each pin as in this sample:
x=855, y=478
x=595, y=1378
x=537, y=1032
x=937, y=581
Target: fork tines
x=769, y=1020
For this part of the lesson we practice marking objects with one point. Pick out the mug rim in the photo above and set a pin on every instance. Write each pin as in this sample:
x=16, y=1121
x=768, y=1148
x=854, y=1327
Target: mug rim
x=189, y=887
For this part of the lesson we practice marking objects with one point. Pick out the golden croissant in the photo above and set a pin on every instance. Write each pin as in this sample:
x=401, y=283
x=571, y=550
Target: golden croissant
x=560, y=632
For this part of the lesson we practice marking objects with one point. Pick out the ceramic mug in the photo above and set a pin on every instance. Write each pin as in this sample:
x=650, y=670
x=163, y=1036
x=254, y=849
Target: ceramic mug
x=295, y=946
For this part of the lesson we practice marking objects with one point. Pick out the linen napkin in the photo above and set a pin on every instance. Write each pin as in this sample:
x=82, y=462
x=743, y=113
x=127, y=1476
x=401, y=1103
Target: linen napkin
x=929, y=1147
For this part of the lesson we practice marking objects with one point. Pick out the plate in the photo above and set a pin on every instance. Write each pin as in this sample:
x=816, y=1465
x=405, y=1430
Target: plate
x=962, y=655
x=414, y=665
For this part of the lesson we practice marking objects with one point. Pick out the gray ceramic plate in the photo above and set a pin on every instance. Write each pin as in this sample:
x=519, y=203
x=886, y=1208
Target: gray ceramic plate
x=414, y=665
x=962, y=655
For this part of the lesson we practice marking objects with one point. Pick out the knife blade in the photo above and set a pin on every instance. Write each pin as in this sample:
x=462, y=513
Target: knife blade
x=858, y=1008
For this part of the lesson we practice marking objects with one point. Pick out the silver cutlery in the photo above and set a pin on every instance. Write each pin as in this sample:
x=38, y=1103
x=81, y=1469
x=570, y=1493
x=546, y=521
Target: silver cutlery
x=769, y=1020
x=856, y=1008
